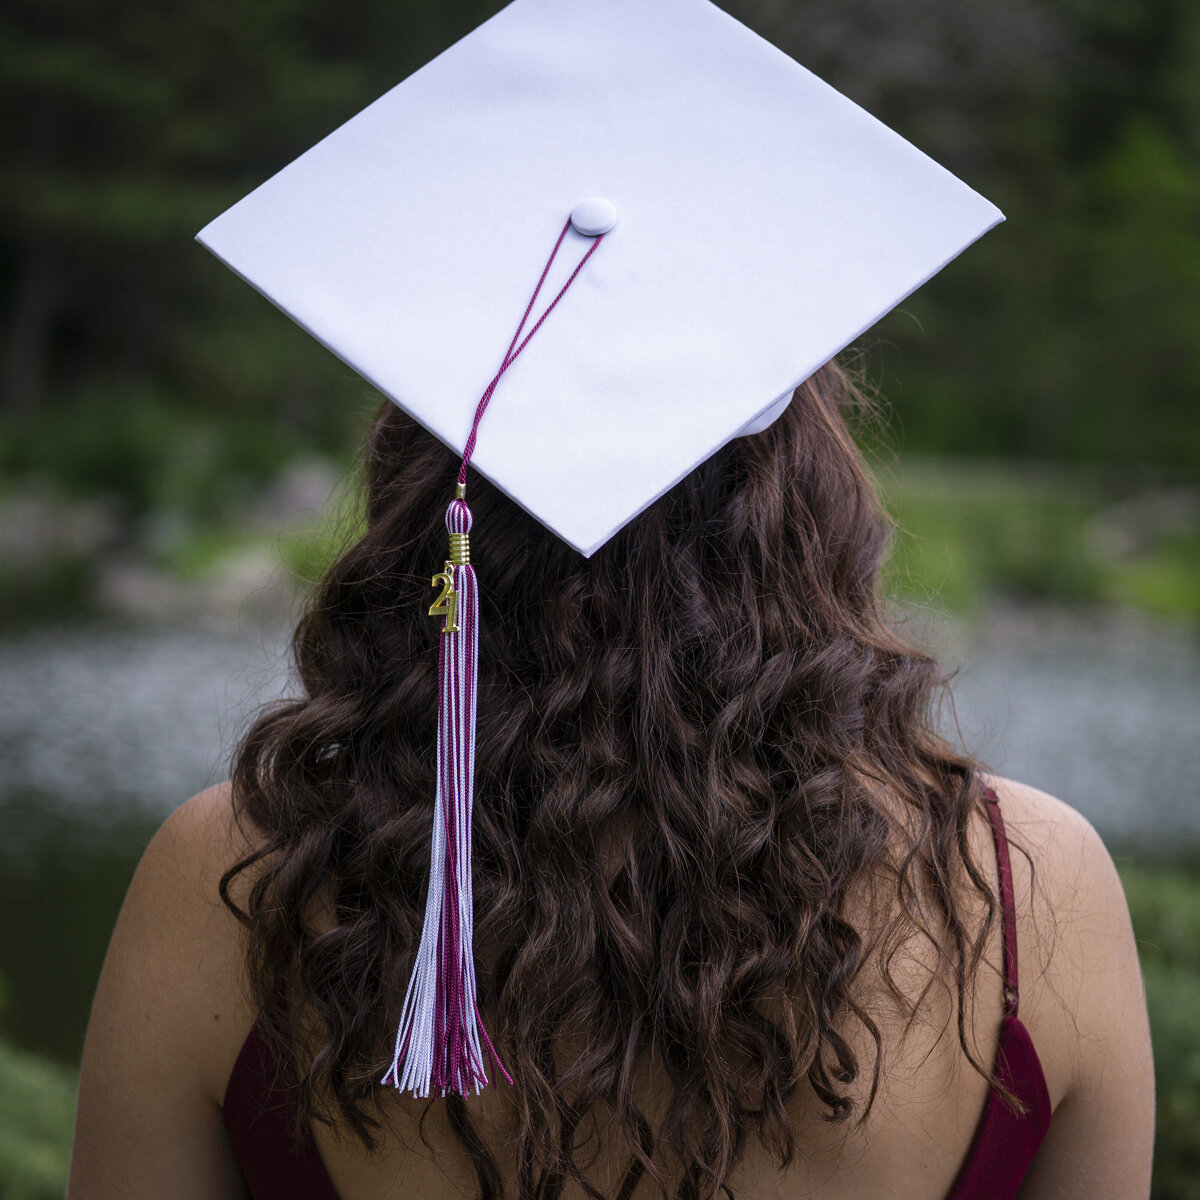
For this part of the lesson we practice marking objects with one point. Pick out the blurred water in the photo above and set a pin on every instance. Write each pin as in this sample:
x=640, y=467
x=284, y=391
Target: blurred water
x=104, y=729
x=98, y=716
x=1102, y=711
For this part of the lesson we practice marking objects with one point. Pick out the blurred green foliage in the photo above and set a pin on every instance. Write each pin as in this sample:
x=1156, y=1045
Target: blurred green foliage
x=967, y=530
x=1073, y=331
x=132, y=361
x=143, y=450
x=37, y=1111
x=1165, y=907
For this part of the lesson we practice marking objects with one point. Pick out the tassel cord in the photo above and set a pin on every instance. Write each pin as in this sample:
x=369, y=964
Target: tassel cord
x=440, y=1037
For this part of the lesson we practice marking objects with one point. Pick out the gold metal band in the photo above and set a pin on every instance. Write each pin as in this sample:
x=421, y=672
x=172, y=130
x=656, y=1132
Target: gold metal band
x=460, y=491
x=460, y=549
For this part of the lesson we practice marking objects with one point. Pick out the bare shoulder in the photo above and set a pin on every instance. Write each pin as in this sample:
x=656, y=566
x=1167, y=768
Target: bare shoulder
x=201, y=833
x=1082, y=997
x=176, y=940
x=170, y=1011
x=200, y=840
x=1049, y=823
x=1065, y=880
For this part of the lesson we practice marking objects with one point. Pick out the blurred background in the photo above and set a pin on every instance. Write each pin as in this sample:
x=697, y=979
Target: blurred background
x=175, y=453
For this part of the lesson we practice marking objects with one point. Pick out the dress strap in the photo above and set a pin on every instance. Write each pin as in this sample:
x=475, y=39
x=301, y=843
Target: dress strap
x=1008, y=914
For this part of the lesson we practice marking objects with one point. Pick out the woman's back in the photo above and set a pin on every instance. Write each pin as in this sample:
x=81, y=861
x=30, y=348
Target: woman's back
x=173, y=1002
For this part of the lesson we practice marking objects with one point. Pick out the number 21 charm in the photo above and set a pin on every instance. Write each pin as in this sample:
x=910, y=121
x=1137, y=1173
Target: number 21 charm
x=446, y=604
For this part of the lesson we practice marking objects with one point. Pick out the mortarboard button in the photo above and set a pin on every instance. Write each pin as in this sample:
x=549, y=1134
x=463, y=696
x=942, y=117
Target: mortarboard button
x=593, y=217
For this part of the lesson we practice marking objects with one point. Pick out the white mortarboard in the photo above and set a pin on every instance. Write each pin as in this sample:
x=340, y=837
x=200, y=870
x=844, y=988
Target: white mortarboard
x=765, y=221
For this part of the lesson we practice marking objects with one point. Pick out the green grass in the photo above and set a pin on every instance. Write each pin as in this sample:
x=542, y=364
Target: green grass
x=968, y=532
x=1165, y=579
x=1164, y=903
x=37, y=1110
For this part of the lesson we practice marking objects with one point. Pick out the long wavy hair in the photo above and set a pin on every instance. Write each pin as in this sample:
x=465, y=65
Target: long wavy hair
x=693, y=749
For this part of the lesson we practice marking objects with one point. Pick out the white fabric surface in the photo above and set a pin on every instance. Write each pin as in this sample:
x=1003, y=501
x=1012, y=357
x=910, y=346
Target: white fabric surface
x=765, y=221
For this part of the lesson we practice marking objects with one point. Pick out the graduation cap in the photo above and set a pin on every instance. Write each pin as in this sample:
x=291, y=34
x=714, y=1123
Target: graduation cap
x=701, y=224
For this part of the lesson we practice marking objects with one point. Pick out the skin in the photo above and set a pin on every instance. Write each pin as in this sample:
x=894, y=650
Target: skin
x=170, y=1015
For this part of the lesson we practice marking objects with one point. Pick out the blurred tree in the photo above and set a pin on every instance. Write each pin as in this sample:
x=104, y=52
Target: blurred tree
x=1072, y=331
x=126, y=125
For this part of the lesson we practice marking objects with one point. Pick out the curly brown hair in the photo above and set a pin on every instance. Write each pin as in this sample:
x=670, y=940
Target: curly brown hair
x=692, y=748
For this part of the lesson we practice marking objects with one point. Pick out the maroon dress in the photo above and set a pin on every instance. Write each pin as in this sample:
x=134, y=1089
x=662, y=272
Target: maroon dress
x=259, y=1110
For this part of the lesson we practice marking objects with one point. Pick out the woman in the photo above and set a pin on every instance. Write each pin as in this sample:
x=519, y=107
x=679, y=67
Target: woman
x=739, y=911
